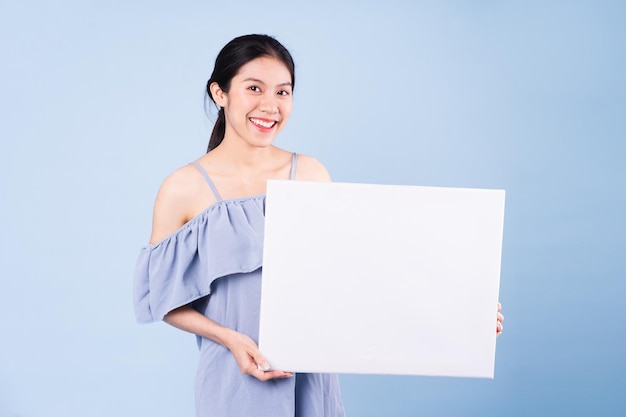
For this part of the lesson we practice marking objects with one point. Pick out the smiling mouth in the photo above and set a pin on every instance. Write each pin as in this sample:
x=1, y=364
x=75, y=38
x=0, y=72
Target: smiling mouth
x=266, y=124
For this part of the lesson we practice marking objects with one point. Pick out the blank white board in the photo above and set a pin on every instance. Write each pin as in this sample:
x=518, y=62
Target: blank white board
x=381, y=279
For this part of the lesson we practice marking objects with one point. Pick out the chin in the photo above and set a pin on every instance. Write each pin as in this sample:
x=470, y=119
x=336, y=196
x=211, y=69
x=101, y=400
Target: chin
x=261, y=144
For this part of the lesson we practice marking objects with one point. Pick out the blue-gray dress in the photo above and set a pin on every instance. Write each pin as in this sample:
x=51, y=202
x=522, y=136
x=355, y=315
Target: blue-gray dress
x=214, y=263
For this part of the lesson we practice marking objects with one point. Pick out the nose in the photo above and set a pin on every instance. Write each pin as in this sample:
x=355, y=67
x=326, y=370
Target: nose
x=269, y=104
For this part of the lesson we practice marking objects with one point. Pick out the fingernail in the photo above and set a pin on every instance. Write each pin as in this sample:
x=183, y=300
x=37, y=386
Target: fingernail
x=264, y=366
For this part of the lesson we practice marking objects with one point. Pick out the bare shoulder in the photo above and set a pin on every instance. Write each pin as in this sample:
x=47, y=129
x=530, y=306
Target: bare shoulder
x=177, y=187
x=175, y=202
x=310, y=169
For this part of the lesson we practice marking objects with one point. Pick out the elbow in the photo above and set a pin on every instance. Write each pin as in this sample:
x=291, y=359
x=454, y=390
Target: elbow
x=173, y=315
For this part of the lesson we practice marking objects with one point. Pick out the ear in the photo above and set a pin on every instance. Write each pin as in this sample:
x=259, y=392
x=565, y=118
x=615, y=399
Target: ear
x=219, y=96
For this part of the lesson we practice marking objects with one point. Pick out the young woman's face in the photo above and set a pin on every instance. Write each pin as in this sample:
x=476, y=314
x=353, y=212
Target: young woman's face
x=258, y=103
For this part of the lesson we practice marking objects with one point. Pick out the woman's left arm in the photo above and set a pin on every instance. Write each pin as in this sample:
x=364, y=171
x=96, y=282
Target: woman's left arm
x=499, y=320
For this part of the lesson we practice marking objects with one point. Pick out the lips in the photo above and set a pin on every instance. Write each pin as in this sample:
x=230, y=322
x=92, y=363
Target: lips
x=263, y=123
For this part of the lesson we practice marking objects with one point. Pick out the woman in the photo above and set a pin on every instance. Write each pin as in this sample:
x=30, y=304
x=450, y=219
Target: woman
x=201, y=271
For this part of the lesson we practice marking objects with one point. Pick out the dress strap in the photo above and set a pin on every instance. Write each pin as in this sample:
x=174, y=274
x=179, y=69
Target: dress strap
x=292, y=174
x=208, y=180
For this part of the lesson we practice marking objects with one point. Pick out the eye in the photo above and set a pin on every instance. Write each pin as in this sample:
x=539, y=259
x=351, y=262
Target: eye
x=283, y=93
x=254, y=88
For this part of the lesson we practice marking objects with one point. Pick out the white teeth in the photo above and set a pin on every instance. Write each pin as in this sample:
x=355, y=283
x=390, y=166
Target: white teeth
x=262, y=123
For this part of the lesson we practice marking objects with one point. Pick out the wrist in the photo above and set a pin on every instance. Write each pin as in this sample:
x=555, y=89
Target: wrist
x=226, y=337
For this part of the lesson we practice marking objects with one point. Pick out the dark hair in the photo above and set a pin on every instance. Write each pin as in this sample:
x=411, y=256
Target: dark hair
x=231, y=58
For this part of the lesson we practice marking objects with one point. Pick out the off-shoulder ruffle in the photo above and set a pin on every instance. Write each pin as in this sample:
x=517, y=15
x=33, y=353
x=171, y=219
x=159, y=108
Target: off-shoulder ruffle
x=225, y=239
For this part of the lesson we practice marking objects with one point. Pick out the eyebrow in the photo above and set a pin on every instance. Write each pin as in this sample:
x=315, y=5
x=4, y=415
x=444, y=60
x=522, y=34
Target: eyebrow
x=261, y=82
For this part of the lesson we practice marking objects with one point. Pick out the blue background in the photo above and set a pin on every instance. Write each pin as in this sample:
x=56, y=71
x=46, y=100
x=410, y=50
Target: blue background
x=99, y=101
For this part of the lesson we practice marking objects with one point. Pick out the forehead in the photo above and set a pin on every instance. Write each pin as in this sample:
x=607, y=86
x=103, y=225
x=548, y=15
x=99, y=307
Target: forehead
x=267, y=69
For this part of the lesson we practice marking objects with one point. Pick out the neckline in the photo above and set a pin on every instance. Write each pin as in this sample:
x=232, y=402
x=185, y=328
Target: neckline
x=205, y=174
x=195, y=218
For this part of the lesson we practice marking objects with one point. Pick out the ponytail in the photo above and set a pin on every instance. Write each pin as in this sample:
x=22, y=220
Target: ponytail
x=218, y=131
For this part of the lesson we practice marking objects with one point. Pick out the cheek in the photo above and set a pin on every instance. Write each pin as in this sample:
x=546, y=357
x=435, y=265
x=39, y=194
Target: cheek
x=285, y=109
x=240, y=103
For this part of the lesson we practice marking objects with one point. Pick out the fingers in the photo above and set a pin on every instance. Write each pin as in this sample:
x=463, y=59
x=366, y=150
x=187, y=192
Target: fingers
x=252, y=362
x=259, y=361
x=267, y=375
x=278, y=374
x=261, y=374
x=260, y=368
x=499, y=320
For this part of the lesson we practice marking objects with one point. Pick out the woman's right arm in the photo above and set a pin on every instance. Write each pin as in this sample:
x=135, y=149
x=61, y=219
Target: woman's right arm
x=172, y=209
x=243, y=348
